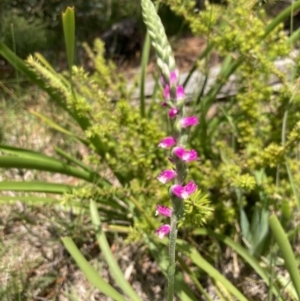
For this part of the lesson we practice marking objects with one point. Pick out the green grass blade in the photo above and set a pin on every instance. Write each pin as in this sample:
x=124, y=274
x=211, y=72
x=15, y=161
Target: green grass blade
x=113, y=266
x=57, y=127
x=295, y=36
x=24, y=153
x=144, y=64
x=286, y=251
x=89, y=272
x=251, y=260
x=47, y=165
x=35, y=186
x=30, y=200
x=197, y=259
x=281, y=17
x=70, y=158
x=32, y=155
x=68, y=20
x=194, y=278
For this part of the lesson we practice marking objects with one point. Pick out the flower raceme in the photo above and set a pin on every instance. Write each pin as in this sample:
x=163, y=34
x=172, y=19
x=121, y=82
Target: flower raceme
x=174, y=96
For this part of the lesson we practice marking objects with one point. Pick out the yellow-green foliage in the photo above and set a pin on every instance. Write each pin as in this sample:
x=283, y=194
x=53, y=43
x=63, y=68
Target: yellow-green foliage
x=130, y=141
x=255, y=134
x=258, y=129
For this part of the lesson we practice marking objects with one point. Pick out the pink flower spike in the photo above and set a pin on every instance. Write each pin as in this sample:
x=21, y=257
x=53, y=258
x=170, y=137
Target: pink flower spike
x=180, y=93
x=162, y=210
x=189, y=121
x=166, y=176
x=173, y=112
x=166, y=92
x=167, y=142
x=163, y=230
x=185, y=155
x=174, y=77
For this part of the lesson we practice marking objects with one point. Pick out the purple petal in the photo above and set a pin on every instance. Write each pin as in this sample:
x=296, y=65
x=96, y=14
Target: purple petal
x=162, y=231
x=190, y=156
x=190, y=187
x=166, y=176
x=184, y=192
x=178, y=190
x=167, y=142
x=185, y=155
x=189, y=121
x=162, y=210
x=173, y=112
x=166, y=92
x=180, y=93
x=179, y=152
x=174, y=77
x=162, y=81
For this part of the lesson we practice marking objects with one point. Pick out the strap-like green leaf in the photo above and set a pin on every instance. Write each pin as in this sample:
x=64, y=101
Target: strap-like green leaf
x=68, y=20
x=197, y=259
x=286, y=251
x=90, y=273
x=113, y=265
x=251, y=260
x=35, y=186
x=47, y=165
x=57, y=127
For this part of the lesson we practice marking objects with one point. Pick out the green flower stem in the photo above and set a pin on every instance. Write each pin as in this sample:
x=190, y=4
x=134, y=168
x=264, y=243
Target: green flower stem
x=172, y=256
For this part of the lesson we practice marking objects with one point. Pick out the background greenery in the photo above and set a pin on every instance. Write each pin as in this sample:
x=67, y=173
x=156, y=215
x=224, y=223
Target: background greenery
x=97, y=149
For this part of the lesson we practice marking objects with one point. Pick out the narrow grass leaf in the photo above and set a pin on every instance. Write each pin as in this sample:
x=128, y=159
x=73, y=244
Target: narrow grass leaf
x=144, y=64
x=72, y=159
x=35, y=186
x=57, y=127
x=90, y=273
x=251, y=260
x=47, y=165
x=286, y=252
x=204, y=265
x=113, y=265
x=68, y=20
x=29, y=200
